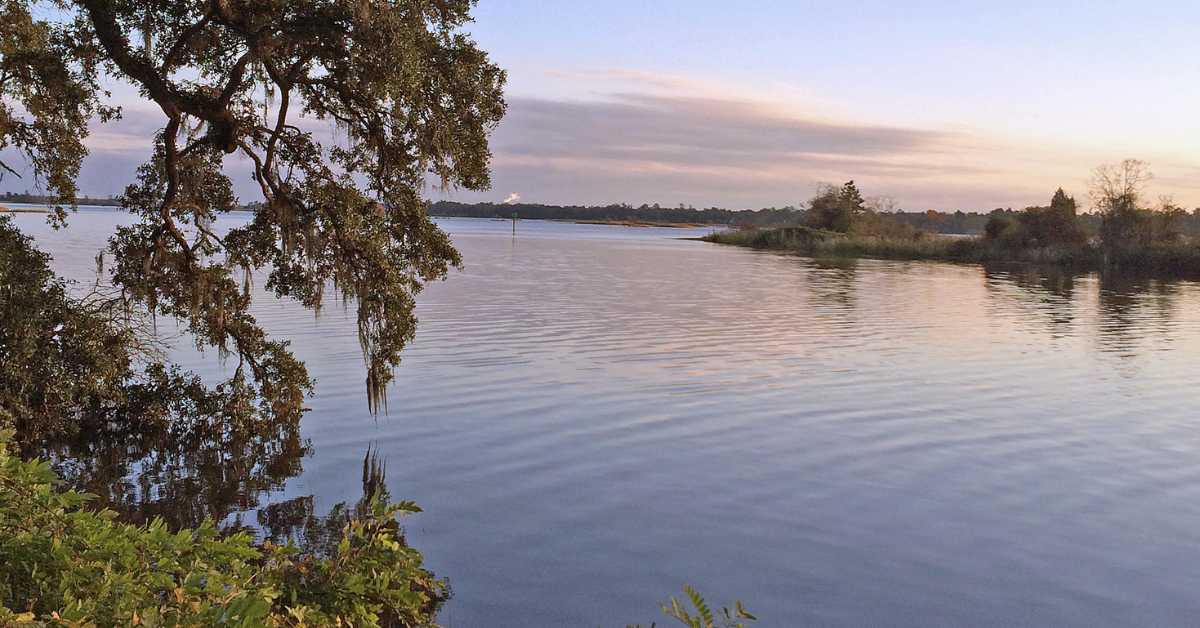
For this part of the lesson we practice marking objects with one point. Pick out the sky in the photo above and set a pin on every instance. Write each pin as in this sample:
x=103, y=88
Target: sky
x=939, y=105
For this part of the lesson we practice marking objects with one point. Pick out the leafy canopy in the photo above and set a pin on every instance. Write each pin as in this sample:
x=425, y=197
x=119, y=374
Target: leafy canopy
x=834, y=209
x=48, y=93
x=414, y=100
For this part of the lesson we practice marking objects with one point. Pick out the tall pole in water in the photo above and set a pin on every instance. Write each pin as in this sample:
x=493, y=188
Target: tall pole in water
x=514, y=223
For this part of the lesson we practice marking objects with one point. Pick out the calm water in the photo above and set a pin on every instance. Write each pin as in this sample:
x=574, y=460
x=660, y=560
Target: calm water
x=592, y=416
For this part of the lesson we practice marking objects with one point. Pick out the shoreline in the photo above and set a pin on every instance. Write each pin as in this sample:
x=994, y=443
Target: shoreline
x=1173, y=261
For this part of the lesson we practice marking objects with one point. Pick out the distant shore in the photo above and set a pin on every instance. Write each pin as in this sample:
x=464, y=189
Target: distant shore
x=643, y=223
x=615, y=223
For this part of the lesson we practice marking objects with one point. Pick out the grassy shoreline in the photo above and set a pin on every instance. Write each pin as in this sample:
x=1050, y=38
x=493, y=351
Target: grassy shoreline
x=1174, y=259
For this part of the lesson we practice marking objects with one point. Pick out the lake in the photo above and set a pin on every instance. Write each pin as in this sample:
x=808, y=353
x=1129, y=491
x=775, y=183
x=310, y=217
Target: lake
x=592, y=416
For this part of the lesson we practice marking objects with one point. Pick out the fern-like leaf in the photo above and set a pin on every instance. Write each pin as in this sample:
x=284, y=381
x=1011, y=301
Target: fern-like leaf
x=743, y=613
x=701, y=606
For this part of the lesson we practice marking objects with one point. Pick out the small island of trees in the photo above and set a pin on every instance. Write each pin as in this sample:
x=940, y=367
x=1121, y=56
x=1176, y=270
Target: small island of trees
x=1122, y=232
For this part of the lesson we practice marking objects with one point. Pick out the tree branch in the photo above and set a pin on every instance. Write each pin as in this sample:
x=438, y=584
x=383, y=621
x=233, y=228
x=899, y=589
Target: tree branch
x=170, y=60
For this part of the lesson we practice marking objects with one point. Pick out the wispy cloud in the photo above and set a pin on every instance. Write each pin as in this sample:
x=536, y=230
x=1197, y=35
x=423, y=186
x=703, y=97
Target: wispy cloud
x=672, y=128
x=638, y=137
x=705, y=150
x=642, y=137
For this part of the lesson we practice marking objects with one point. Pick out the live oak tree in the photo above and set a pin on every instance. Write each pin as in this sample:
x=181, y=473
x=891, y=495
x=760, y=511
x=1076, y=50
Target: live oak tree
x=413, y=100
x=254, y=83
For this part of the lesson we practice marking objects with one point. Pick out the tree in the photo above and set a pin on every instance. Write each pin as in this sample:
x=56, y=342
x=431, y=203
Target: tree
x=1056, y=225
x=413, y=96
x=48, y=92
x=1002, y=227
x=1062, y=203
x=1116, y=191
x=1167, y=220
x=1116, y=187
x=1038, y=227
x=850, y=196
x=834, y=209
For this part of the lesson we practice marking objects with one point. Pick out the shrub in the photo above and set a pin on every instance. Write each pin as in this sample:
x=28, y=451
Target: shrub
x=64, y=564
x=1001, y=226
x=873, y=224
x=1055, y=226
x=1051, y=226
x=834, y=209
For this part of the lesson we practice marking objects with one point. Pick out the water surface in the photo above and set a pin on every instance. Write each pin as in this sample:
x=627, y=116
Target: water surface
x=592, y=416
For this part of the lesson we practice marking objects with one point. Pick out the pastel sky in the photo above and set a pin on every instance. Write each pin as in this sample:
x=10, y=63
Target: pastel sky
x=941, y=104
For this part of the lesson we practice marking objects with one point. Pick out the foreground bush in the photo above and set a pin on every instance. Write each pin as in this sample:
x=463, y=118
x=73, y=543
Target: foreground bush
x=64, y=565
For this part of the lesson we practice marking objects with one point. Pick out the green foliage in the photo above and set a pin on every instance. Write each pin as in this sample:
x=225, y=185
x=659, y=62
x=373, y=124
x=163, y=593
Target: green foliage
x=59, y=356
x=83, y=383
x=1062, y=202
x=1133, y=235
x=844, y=211
x=413, y=97
x=834, y=209
x=64, y=564
x=700, y=615
x=1057, y=225
x=1002, y=227
x=48, y=93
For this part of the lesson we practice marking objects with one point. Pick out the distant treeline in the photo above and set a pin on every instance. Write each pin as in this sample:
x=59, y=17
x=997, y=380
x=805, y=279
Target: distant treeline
x=959, y=222
x=939, y=222
x=974, y=223
x=37, y=199
x=619, y=213
x=931, y=221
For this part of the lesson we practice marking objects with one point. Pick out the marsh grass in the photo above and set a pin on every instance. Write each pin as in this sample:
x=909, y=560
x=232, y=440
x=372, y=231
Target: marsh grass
x=1181, y=258
x=821, y=243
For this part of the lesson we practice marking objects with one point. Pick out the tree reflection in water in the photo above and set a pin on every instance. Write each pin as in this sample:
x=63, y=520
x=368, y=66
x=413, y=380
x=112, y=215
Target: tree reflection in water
x=296, y=519
x=1049, y=294
x=1130, y=309
x=1134, y=310
x=187, y=471
x=182, y=472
